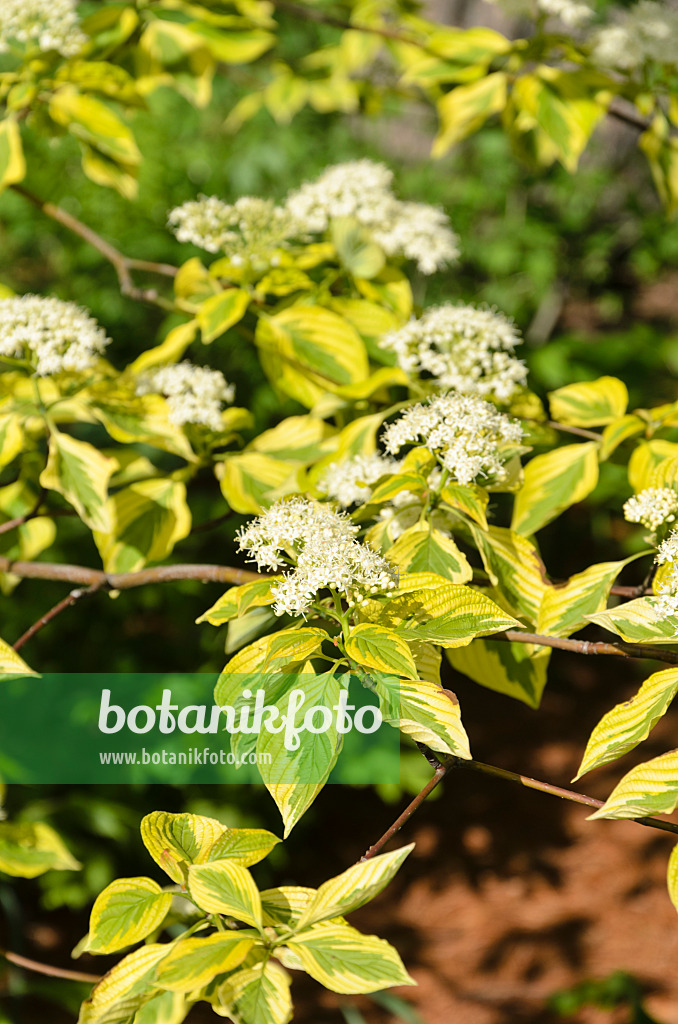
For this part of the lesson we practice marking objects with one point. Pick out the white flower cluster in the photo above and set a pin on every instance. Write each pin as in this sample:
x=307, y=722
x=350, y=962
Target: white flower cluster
x=194, y=393
x=463, y=349
x=321, y=544
x=465, y=432
x=55, y=336
x=362, y=189
x=652, y=507
x=348, y=482
x=666, y=605
x=572, y=13
x=648, y=31
x=248, y=229
x=47, y=24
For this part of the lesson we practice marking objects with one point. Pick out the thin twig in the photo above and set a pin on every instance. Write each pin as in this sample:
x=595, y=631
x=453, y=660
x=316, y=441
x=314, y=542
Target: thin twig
x=51, y=972
x=61, y=606
x=81, y=575
x=437, y=777
x=121, y=263
x=11, y=524
x=564, y=428
x=563, y=794
x=588, y=646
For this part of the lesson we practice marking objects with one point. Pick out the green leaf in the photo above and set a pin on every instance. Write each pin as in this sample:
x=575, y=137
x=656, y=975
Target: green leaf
x=381, y=649
x=646, y=461
x=31, y=848
x=294, y=645
x=126, y=912
x=472, y=500
x=259, y=994
x=590, y=404
x=147, y=520
x=569, y=105
x=285, y=904
x=169, y=351
x=628, y=724
x=222, y=311
x=637, y=623
x=11, y=438
x=79, y=472
x=175, y=841
x=649, y=788
x=424, y=711
x=618, y=431
x=515, y=669
x=296, y=439
x=467, y=614
x=252, y=480
x=164, y=1008
x=225, y=887
x=344, y=960
x=12, y=162
x=195, y=962
x=353, y=888
x=125, y=988
x=238, y=600
x=422, y=548
x=554, y=482
x=465, y=109
x=565, y=609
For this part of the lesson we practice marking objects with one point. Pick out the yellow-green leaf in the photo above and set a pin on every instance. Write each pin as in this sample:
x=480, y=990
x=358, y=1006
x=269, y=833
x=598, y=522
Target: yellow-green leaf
x=238, y=600
x=12, y=162
x=554, y=482
x=245, y=846
x=11, y=664
x=381, y=649
x=672, y=876
x=353, y=888
x=222, y=311
x=126, y=912
x=125, y=988
x=344, y=960
x=225, y=887
x=649, y=788
x=176, y=840
x=252, y=480
x=285, y=904
x=515, y=568
x=646, y=461
x=618, y=431
x=259, y=994
x=170, y=350
x=93, y=122
x=147, y=520
x=195, y=962
x=593, y=403
x=423, y=548
x=637, y=623
x=628, y=724
x=564, y=609
x=515, y=669
x=465, y=109
x=31, y=848
x=424, y=711
x=79, y=472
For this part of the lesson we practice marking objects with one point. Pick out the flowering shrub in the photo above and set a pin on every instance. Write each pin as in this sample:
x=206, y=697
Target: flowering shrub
x=392, y=516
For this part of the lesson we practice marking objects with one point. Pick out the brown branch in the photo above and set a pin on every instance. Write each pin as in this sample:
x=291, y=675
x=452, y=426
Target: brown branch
x=11, y=524
x=628, y=113
x=51, y=972
x=564, y=428
x=588, y=646
x=79, y=574
x=437, y=777
x=563, y=794
x=73, y=598
x=121, y=263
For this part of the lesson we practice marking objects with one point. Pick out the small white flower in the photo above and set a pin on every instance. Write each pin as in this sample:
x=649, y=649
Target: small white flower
x=320, y=544
x=194, y=394
x=55, y=336
x=46, y=24
x=648, y=31
x=461, y=348
x=249, y=228
x=572, y=13
x=466, y=433
x=652, y=507
x=348, y=482
x=362, y=189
